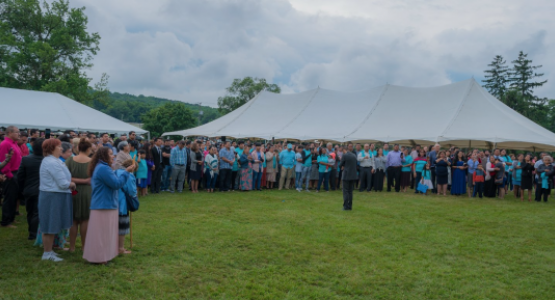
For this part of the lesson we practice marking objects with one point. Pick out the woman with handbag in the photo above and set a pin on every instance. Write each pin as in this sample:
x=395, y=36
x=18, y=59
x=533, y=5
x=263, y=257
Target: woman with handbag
x=129, y=189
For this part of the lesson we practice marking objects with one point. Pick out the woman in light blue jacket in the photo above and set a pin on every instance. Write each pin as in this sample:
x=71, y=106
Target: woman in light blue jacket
x=101, y=245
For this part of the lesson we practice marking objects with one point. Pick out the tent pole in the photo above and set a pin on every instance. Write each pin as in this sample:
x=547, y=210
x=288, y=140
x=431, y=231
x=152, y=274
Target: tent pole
x=148, y=135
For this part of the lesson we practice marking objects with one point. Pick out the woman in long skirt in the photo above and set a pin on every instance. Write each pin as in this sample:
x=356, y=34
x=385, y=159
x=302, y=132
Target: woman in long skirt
x=245, y=181
x=102, y=234
x=458, y=186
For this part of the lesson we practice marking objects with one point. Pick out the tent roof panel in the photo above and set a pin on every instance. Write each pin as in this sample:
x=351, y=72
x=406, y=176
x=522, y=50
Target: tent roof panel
x=44, y=110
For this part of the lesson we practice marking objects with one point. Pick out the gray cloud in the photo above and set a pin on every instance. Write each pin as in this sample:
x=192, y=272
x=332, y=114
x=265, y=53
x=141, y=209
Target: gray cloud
x=192, y=50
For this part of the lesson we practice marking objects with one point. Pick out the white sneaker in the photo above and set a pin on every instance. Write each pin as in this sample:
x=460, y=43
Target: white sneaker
x=308, y=191
x=299, y=190
x=51, y=256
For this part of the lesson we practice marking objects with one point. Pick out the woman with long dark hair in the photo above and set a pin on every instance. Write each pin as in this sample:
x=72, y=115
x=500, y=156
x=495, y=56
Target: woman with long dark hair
x=196, y=166
x=79, y=168
x=526, y=177
x=102, y=236
x=458, y=186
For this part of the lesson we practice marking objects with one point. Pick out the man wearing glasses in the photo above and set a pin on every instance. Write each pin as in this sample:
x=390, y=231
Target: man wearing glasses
x=10, y=189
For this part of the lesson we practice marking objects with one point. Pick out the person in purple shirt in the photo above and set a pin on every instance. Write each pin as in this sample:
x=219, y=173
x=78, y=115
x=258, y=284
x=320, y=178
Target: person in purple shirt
x=395, y=160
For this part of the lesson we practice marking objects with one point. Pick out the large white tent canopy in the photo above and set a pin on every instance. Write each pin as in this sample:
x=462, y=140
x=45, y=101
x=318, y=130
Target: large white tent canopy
x=43, y=110
x=461, y=114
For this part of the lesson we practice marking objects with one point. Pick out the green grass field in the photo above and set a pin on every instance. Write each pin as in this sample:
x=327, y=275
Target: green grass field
x=289, y=245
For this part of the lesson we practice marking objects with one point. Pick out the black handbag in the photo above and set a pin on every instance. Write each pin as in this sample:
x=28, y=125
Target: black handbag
x=132, y=203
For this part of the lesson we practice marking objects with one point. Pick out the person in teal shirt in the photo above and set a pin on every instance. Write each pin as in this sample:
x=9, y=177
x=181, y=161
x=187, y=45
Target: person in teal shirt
x=287, y=161
x=323, y=169
x=235, y=167
x=385, y=149
x=307, y=166
x=406, y=171
x=419, y=164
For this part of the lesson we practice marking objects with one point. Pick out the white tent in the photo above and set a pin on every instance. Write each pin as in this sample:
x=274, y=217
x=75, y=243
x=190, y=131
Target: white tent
x=42, y=110
x=461, y=114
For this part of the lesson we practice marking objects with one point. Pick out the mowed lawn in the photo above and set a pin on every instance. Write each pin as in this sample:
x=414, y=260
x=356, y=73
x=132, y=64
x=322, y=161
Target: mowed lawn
x=290, y=245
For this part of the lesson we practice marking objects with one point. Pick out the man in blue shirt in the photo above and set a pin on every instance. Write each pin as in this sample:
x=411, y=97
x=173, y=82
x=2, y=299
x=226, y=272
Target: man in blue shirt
x=178, y=162
x=287, y=159
x=395, y=160
x=227, y=158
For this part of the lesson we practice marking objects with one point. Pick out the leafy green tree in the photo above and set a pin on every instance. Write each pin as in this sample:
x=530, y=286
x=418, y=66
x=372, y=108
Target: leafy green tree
x=522, y=75
x=243, y=90
x=169, y=117
x=47, y=47
x=497, y=77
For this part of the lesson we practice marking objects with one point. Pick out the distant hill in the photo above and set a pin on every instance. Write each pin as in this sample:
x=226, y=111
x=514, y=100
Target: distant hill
x=130, y=108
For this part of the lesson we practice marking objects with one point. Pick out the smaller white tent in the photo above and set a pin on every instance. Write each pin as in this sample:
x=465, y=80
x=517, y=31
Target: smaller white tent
x=42, y=110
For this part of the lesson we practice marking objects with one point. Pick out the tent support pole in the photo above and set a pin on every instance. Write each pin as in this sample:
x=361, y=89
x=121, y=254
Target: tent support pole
x=148, y=135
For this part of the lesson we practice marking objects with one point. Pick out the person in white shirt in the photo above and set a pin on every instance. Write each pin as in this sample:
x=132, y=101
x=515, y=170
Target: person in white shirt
x=366, y=161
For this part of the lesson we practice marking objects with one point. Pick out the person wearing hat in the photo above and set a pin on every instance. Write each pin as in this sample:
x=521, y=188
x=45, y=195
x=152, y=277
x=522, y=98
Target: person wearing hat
x=287, y=160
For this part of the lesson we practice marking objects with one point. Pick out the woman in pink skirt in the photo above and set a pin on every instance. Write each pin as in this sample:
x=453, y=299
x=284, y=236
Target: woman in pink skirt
x=102, y=235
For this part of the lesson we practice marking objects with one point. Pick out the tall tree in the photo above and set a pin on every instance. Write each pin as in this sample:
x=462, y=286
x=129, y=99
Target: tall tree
x=46, y=47
x=497, y=77
x=169, y=117
x=243, y=90
x=522, y=75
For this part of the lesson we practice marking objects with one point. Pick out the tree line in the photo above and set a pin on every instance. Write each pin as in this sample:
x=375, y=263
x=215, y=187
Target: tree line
x=514, y=85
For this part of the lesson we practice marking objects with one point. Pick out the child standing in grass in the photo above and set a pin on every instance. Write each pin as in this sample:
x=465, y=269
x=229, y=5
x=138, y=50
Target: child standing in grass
x=478, y=178
x=427, y=178
x=142, y=172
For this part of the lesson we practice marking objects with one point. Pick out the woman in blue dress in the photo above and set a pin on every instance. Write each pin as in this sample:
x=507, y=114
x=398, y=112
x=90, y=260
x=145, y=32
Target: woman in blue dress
x=458, y=186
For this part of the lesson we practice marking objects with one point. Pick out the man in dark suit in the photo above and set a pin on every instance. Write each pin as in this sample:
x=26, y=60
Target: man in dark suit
x=349, y=165
x=158, y=166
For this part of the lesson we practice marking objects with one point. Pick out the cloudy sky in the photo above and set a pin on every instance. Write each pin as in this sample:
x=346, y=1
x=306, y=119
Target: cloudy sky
x=192, y=50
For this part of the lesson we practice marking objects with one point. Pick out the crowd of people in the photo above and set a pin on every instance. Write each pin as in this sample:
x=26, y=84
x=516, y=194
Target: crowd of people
x=79, y=183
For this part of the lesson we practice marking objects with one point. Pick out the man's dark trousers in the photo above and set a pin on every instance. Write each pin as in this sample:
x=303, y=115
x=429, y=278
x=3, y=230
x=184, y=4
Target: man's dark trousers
x=157, y=179
x=31, y=205
x=11, y=192
x=394, y=174
x=225, y=179
x=348, y=187
x=365, y=179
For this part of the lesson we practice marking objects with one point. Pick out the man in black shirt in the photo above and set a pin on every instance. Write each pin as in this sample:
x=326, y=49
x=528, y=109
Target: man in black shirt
x=166, y=153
